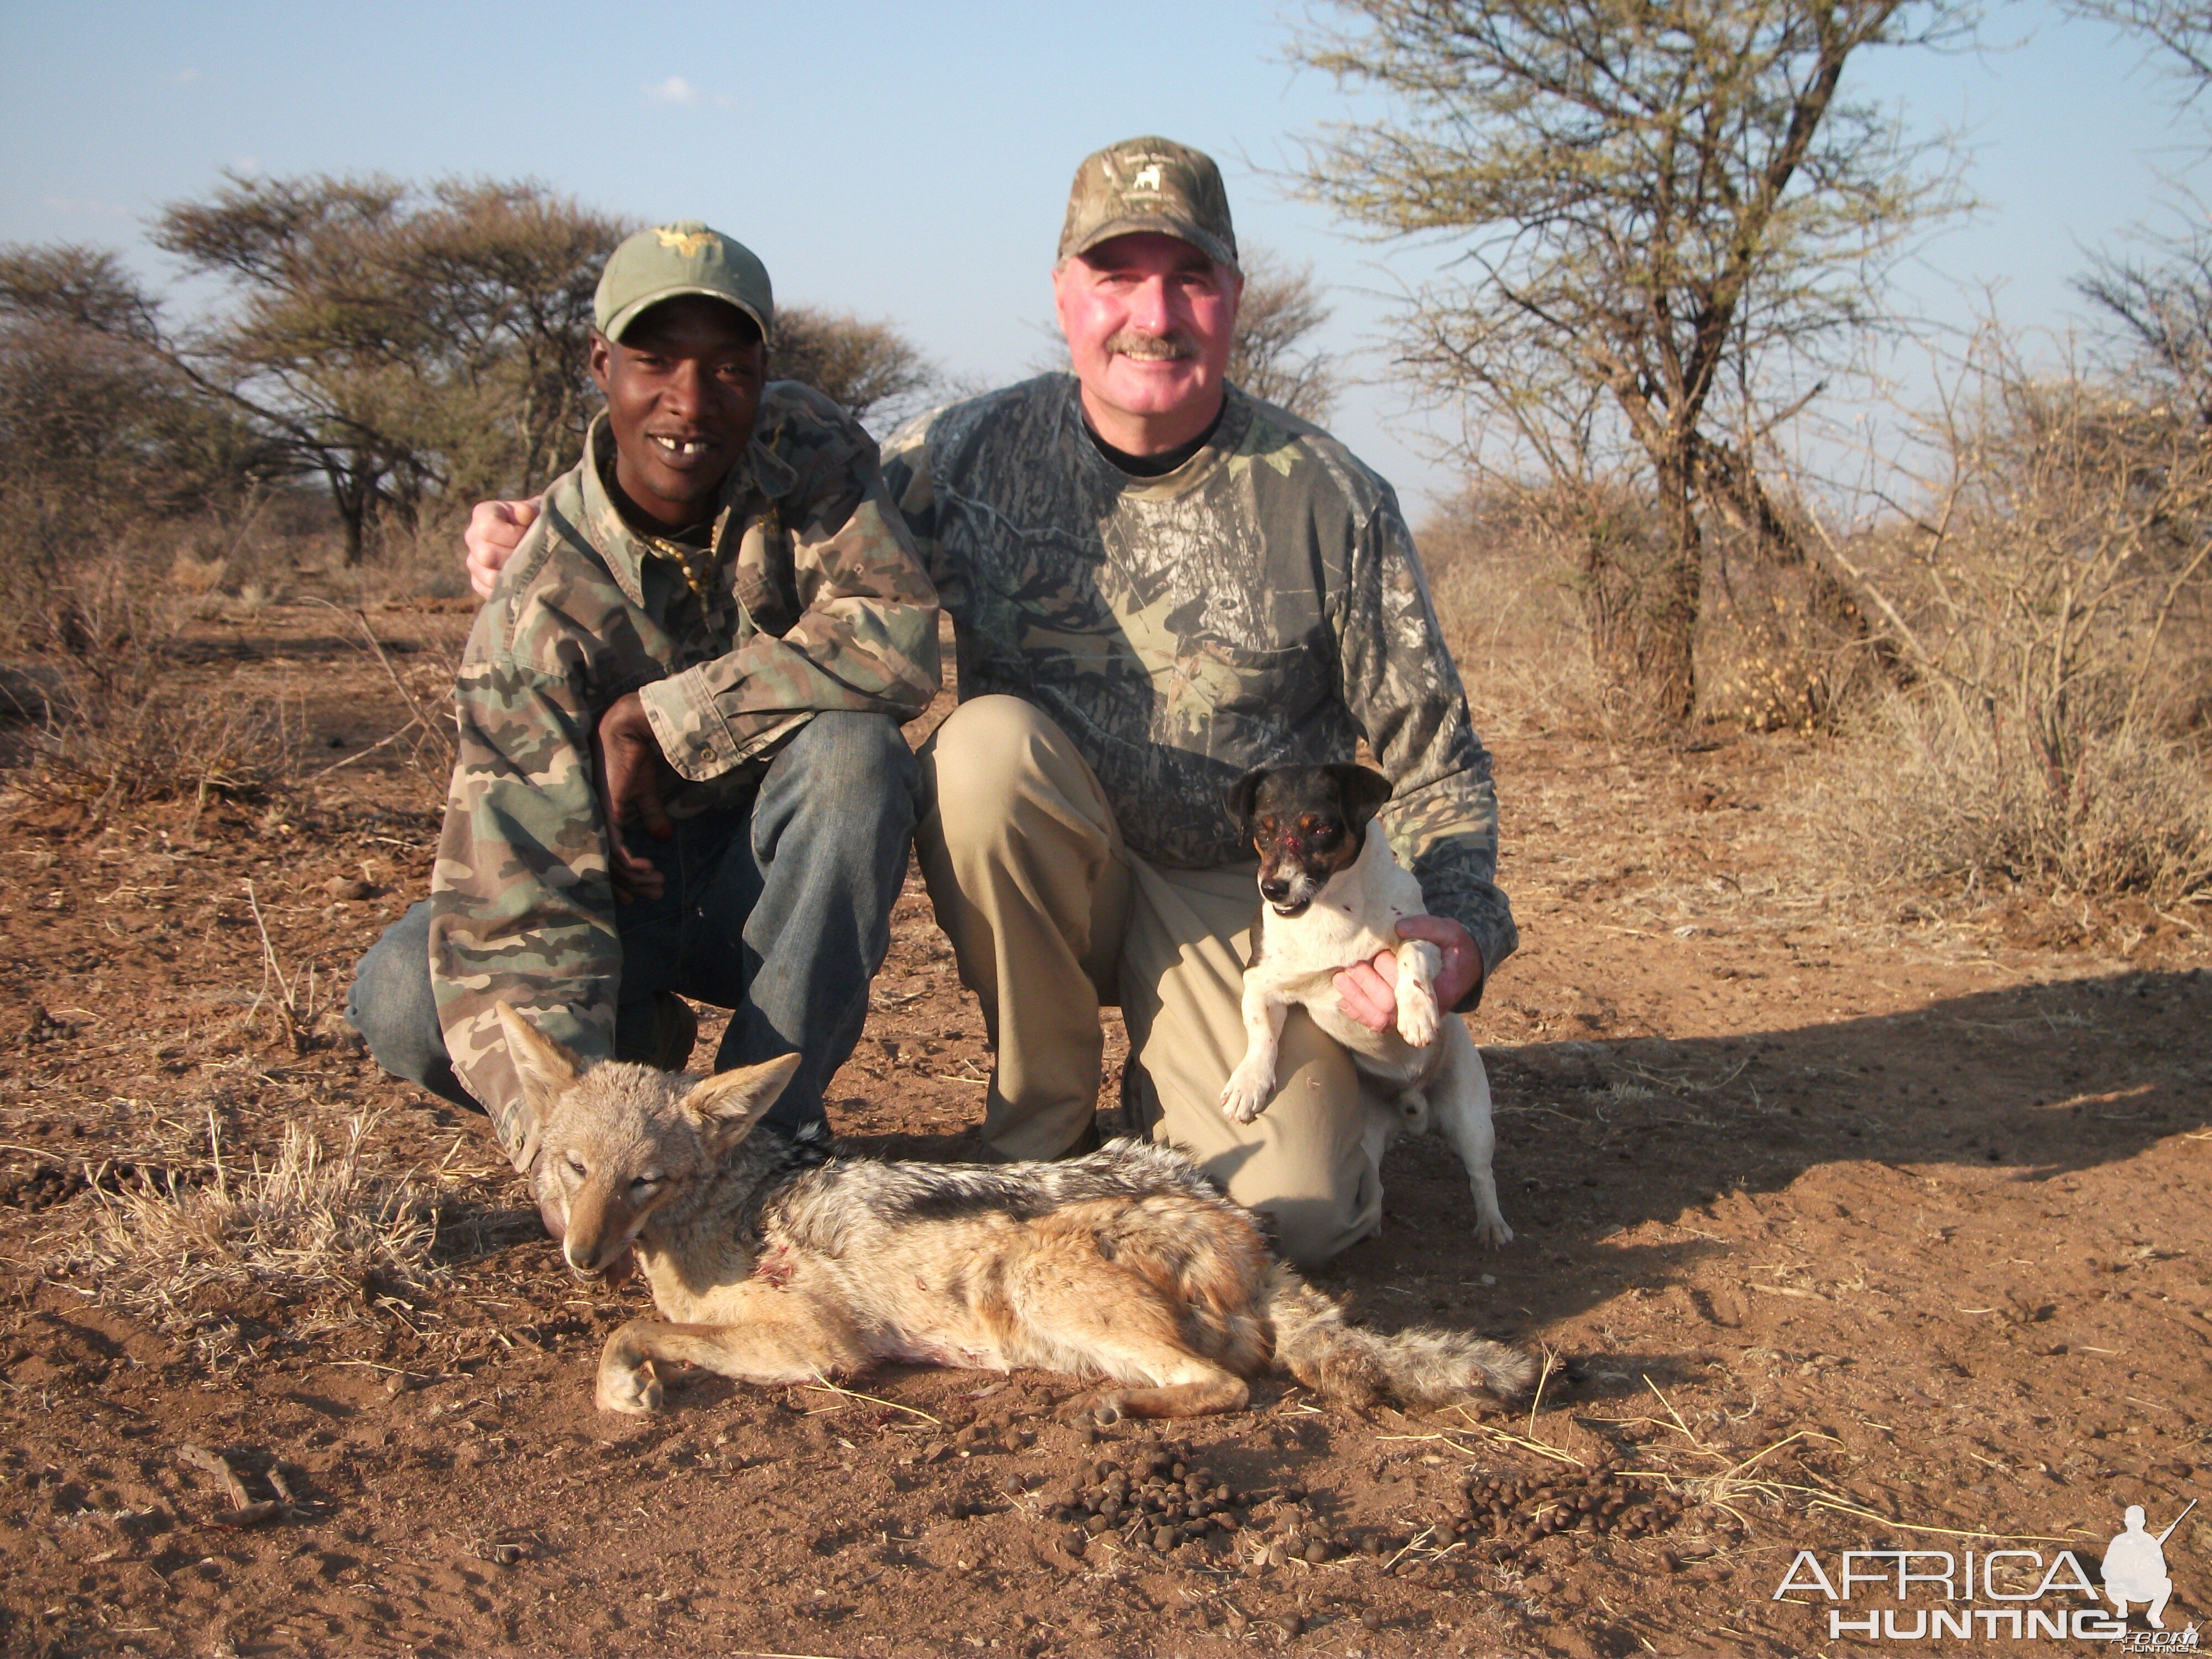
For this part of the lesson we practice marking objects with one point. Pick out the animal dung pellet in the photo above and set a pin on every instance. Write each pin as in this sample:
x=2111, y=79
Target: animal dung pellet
x=1596, y=1499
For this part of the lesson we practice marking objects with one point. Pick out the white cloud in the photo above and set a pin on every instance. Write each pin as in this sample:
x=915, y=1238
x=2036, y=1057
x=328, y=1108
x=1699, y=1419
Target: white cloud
x=678, y=90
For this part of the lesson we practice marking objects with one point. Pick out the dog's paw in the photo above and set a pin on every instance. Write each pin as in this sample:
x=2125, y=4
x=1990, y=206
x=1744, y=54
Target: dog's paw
x=1244, y=1097
x=1417, y=1015
x=1492, y=1232
x=633, y=1393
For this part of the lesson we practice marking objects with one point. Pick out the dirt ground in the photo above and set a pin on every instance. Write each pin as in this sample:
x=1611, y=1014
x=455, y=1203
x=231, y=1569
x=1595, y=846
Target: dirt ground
x=1846, y=1223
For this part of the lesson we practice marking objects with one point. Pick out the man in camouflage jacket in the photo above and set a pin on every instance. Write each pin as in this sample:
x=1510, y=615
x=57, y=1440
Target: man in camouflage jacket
x=1157, y=583
x=719, y=603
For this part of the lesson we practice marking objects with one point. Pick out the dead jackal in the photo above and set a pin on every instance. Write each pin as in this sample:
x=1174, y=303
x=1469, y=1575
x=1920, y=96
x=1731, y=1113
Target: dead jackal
x=773, y=1261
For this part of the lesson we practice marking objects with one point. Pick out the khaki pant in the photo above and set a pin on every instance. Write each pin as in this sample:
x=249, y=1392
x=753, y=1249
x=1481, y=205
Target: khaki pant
x=1050, y=917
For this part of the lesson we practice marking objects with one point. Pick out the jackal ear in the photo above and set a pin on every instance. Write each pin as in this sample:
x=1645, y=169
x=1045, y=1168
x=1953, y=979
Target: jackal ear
x=547, y=1070
x=1239, y=796
x=1363, y=790
x=729, y=1104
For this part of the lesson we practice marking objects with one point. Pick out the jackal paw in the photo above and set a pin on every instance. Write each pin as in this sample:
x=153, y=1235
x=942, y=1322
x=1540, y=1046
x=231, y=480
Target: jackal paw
x=1103, y=1409
x=1417, y=1015
x=1244, y=1097
x=634, y=1393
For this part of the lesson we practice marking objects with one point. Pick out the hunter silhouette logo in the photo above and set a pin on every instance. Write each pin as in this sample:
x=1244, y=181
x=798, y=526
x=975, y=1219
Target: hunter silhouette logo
x=2134, y=1566
x=684, y=244
x=2007, y=1593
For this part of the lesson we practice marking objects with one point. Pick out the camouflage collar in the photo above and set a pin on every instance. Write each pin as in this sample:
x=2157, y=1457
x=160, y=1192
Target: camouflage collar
x=762, y=477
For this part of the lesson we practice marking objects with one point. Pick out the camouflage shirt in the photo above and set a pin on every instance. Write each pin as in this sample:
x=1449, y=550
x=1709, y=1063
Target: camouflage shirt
x=1261, y=604
x=810, y=596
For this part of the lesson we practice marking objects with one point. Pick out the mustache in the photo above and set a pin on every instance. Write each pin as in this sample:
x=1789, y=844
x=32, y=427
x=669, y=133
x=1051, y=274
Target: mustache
x=1171, y=348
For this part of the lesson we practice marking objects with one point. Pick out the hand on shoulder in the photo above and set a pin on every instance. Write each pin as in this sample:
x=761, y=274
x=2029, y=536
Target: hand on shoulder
x=495, y=531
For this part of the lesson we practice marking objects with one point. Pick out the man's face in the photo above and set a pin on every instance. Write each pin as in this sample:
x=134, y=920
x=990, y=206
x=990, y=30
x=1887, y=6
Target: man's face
x=683, y=387
x=1148, y=321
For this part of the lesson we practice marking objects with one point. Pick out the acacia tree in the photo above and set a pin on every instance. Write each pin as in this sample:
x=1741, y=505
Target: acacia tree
x=2160, y=297
x=399, y=343
x=1666, y=215
x=863, y=364
x=96, y=432
x=402, y=344
x=2180, y=29
x=1270, y=356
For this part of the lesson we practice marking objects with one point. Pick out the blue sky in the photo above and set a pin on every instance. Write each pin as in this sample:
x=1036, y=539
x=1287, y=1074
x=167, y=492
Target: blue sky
x=912, y=161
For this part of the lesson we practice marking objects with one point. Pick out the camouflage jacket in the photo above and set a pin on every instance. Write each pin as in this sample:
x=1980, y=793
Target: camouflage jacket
x=1261, y=604
x=810, y=597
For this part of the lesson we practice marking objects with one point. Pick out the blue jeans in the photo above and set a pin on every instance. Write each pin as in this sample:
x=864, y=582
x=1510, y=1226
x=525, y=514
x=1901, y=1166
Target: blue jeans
x=780, y=912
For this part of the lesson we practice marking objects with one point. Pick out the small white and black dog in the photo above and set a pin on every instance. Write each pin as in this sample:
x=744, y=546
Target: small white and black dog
x=1333, y=894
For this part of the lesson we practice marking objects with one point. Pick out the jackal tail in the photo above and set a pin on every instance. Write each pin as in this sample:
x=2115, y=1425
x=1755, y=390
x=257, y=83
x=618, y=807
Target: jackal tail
x=1358, y=1367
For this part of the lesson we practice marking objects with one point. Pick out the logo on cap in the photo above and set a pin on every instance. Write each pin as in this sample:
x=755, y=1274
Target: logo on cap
x=1149, y=184
x=685, y=244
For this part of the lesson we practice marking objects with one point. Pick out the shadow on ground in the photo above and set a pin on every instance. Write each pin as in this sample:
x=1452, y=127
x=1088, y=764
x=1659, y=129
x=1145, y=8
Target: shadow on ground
x=1617, y=1162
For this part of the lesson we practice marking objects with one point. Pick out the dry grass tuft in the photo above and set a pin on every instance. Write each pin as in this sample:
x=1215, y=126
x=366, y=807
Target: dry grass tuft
x=312, y=1222
x=122, y=730
x=1930, y=797
x=191, y=574
x=113, y=721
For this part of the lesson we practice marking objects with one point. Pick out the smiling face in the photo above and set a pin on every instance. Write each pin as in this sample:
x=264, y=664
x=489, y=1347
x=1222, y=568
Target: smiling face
x=1149, y=320
x=683, y=388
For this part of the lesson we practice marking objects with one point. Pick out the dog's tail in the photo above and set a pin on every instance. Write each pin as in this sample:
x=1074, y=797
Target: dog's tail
x=1357, y=1367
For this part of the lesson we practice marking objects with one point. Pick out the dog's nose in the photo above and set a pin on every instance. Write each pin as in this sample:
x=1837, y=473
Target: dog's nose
x=1275, y=888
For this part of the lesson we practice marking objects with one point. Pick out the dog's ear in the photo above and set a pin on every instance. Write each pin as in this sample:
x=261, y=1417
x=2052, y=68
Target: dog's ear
x=547, y=1070
x=1239, y=796
x=729, y=1104
x=1363, y=790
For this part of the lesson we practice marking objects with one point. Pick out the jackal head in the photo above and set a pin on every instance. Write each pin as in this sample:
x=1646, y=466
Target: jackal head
x=617, y=1142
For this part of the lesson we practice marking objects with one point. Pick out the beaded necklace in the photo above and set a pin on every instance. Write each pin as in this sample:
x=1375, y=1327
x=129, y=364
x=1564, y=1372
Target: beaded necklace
x=695, y=574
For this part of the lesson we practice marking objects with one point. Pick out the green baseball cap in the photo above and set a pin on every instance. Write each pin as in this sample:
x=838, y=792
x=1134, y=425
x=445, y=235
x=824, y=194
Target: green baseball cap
x=1149, y=184
x=684, y=257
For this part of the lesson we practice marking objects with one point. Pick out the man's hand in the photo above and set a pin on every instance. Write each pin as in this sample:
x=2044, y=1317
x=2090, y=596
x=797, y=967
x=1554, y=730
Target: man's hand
x=495, y=531
x=629, y=765
x=1368, y=991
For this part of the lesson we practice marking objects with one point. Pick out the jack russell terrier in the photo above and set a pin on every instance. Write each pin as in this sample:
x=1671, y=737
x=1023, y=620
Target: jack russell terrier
x=1333, y=894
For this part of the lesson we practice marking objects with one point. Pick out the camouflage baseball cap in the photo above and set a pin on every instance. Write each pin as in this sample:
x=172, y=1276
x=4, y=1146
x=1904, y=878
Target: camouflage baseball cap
x=1149, y=184
x=684, y=257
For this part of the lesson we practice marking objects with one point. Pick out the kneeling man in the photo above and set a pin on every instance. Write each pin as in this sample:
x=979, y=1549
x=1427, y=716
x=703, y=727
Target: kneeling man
x=680, y=769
